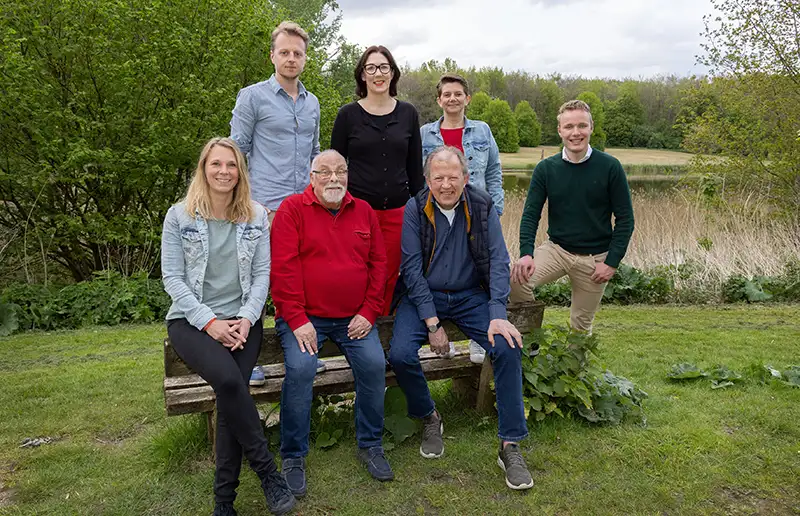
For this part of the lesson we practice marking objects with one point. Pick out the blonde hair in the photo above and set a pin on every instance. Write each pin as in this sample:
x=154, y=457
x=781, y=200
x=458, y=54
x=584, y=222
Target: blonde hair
x=289, y=28
x=198, y=196
x=574, y=105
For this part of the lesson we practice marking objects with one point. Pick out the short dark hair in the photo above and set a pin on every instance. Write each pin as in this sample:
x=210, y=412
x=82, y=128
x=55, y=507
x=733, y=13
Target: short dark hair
x=361, y=86
x=450, y=78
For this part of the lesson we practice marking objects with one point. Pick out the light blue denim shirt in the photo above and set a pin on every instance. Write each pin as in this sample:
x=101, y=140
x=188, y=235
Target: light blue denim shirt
x=480, y=149
x=184, y=257
x=279, y=136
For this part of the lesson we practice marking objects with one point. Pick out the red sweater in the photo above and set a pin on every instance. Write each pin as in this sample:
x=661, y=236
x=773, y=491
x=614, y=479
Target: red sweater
x=325, y=265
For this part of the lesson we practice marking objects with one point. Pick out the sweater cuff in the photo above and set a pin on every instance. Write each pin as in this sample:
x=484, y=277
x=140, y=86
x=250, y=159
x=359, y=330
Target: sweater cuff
x=426, y=311
x=368, y=314
x=525, y=249
x=612, y=260
x=497, y=312
x=297, y=321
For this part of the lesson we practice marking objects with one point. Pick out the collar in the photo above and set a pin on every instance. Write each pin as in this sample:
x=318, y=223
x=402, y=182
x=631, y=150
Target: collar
x=309, y=198
x=436, y=128
x=431, y=202
x=565, y=158
x=276, y=86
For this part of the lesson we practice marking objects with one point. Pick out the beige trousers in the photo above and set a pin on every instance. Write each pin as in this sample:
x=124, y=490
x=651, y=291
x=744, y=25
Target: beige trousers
x=553, y=262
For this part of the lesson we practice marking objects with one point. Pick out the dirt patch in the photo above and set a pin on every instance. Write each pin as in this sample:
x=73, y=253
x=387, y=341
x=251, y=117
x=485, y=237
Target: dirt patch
x=741, y=501
x=6, y=493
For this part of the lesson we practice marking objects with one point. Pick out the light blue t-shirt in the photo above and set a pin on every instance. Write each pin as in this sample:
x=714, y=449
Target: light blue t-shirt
x=222, y=292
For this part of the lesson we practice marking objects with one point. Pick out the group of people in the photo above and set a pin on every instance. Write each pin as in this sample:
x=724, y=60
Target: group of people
x=393, y=218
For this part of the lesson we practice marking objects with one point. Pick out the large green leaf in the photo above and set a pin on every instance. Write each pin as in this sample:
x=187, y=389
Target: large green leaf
x=685, y=371
x=8, y=319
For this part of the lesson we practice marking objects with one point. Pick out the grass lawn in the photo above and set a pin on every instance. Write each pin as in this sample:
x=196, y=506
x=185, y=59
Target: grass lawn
x=734, y=451
x=532, y=155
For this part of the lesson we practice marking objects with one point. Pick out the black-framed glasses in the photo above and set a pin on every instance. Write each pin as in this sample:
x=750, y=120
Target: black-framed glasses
x=327, y=174
x=371, y=69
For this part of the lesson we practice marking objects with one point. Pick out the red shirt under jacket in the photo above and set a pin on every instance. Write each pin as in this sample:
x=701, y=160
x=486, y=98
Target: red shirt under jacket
x=325, y=265
x=454, y=138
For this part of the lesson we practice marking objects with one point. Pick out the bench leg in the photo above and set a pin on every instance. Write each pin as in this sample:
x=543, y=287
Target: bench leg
x=466, y=387
x=485, y=402
x=211, y=422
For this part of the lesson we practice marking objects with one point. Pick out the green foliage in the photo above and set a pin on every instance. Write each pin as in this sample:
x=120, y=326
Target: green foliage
x=561, y=375
x=599, y=136
x=478, y=105
x=109, y=299
x=184, y=440
x=501, y=120
x=104, y=108
x=785, y=287
x=530, y=130
x=721, y=377
x=396, y=422
x=631, y=285
x=8, y=319
x=331, y=416
x=547, y=98
x=624, y=121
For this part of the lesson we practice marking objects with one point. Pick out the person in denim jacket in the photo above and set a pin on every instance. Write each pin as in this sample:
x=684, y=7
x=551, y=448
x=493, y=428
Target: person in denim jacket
x=472, y=137
x=214, y=323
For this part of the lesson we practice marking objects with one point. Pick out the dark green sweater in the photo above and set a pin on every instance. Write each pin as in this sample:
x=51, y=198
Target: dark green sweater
x=581, y=199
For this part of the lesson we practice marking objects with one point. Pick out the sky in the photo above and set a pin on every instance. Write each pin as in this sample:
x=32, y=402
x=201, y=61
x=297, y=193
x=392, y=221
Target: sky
x=590, y=38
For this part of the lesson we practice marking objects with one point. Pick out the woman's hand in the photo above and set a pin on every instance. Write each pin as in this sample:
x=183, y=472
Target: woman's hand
x=225, y=333
x=242, y=327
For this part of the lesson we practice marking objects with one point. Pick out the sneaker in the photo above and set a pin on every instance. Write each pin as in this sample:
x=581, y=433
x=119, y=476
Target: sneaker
x=294, y=472
x=376, y=463
x=432, y=446
x=224, y=509
x=257, y=377
x=280, y=499
x=476, y=353
x=321, y=366
x=511, y=461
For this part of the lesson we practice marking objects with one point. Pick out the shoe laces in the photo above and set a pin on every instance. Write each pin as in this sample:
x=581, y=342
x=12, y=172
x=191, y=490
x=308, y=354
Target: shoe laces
x=513, y=456
x=430, y=428
x=276, y=486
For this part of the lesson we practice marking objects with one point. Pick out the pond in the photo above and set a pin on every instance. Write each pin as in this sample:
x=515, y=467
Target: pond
x=641, y=184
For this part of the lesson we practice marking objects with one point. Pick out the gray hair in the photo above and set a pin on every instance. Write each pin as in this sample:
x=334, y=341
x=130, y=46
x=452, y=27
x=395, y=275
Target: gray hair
x=325, y=154
x=440, y=154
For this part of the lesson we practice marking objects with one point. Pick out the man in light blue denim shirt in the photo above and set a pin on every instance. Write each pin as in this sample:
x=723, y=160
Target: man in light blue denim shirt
x=276, y=122
x=473, y=137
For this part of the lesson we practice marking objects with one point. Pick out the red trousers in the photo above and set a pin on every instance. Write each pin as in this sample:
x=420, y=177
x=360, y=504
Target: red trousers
x=391, y=223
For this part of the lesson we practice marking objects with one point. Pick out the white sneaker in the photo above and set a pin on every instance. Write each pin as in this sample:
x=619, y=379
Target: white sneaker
x=476, y=353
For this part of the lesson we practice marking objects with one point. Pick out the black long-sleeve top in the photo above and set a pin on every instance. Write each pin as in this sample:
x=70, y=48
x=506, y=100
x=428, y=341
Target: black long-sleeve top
x=384, y=153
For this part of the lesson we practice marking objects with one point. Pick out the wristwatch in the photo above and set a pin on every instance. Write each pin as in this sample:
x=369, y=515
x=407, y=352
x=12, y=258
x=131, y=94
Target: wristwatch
x=433, y=328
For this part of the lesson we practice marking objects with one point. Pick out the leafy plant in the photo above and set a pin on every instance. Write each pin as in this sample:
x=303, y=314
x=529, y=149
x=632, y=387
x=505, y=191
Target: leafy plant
x=330, y=417
x=686, y=371
x=399, y=426
x=561, y=375
x=8, y=319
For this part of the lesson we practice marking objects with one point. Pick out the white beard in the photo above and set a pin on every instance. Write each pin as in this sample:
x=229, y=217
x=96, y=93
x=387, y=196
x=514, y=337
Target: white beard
x=334, y=196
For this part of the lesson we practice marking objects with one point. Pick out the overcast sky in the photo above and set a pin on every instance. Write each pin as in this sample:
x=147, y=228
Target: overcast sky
x=592, y=38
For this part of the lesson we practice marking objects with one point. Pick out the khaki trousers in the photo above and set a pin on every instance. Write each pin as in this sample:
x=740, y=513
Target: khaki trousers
x=553, y=262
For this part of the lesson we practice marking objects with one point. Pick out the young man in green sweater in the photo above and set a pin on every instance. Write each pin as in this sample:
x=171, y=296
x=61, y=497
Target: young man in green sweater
x=583, y=188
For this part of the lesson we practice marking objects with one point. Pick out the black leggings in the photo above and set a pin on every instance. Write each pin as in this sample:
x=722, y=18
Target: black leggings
x=238, y=426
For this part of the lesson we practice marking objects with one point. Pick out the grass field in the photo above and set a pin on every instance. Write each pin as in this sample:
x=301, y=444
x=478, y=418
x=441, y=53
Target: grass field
x=529, y=156
x=737, y=451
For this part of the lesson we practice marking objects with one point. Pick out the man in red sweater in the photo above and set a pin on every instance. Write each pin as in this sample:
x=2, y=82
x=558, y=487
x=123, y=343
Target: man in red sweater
x=328, y=276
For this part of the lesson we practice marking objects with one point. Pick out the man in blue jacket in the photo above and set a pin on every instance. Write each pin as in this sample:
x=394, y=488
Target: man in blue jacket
x=455, y=266
x=472, y=137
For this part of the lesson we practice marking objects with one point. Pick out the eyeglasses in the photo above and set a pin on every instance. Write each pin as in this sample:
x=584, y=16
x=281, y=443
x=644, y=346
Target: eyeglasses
x=327, y=174
x=371, y=69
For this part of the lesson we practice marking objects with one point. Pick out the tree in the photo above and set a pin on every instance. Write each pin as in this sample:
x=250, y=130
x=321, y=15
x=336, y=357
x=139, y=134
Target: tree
x=548, y=98
x=501, y=120
x=750, y=110
x=477, y=106
x=528, y=126
x=624, y=117
x=103, y=109
x=598, y=139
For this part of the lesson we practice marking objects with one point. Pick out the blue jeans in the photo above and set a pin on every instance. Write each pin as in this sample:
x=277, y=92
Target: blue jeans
x=368, y=363
x=469, y=310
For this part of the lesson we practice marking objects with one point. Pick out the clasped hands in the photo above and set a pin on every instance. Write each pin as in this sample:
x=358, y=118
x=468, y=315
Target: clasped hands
x=230, y=333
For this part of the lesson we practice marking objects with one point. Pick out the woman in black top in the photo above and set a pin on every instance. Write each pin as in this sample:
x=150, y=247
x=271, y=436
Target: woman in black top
x=379, y=137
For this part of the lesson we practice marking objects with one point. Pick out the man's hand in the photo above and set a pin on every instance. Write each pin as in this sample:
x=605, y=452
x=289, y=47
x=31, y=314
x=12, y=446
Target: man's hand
x=602, y=273
x=306, y=336
x=440, y=344
x=522, y=271
x=242, y=327
x=225, y=333
x=358, y=328
x=507, y=330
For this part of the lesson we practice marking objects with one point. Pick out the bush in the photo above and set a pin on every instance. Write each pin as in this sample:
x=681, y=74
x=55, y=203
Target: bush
x=528, y=126
x=501, y=120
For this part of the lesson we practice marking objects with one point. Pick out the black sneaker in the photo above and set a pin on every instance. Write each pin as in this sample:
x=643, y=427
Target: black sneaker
x=224, y=509
x=294, y=472
x=511, y=461
x=432, y=446
x=376, y=463
x=280, y=499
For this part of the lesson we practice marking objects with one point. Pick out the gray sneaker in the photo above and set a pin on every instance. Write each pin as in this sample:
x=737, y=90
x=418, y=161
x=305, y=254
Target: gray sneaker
x=432, y=445
x=511, y=461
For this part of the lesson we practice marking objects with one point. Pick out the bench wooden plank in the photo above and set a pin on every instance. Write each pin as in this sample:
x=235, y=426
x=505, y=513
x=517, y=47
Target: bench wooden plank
x=525, y=316
x=201, y=398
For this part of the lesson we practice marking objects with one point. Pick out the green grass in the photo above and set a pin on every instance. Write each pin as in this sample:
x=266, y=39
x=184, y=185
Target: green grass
x=733, y=451
x=527, y=157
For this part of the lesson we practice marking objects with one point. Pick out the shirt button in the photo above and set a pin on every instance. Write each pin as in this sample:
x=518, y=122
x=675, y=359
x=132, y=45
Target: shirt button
x=385, y=184
x=385, y=169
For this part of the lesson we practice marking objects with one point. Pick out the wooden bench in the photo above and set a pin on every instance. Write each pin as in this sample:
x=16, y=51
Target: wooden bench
x=185, y=392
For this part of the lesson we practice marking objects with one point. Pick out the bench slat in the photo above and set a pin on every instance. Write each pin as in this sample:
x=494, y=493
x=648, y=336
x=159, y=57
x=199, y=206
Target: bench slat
x=201, y=398
x=525, y=316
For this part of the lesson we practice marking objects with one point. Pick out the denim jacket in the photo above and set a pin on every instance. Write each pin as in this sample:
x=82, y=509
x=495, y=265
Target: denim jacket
x=184, y=256
x=480, y=149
